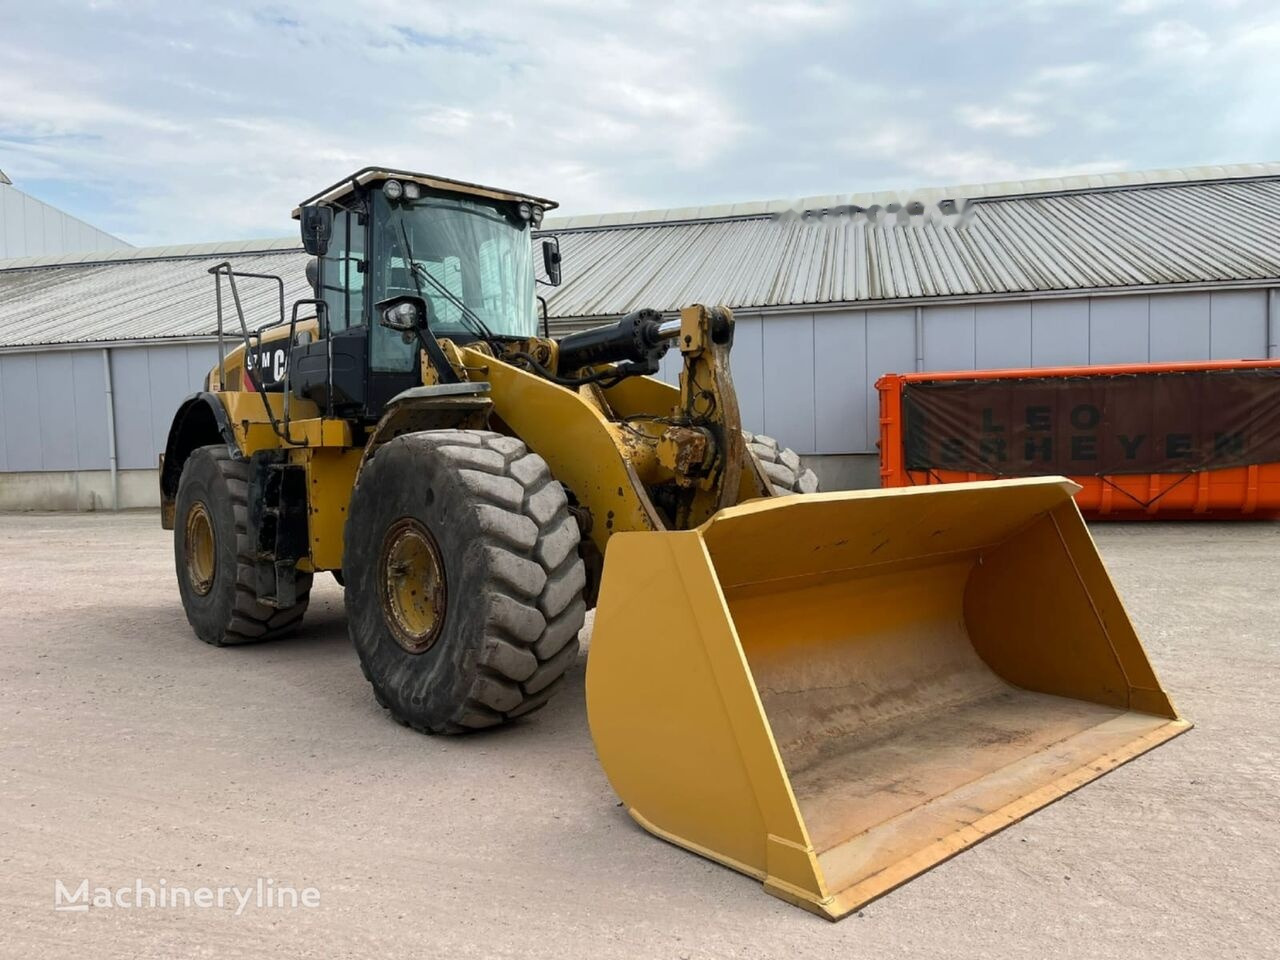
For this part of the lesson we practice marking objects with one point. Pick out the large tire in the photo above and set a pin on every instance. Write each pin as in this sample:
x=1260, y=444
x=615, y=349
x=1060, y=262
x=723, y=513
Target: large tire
x=211, y=553
x=485, y=519
x=781, y=466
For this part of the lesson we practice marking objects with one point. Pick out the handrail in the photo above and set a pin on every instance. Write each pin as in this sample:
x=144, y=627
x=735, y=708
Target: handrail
x=225, y=269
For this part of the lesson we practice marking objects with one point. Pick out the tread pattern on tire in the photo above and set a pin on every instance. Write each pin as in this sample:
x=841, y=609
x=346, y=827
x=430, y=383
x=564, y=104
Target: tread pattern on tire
x=534, y=605
x=782, y=466
x=251, y=621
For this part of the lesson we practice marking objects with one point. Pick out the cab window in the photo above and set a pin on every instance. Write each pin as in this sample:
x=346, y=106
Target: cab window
x=341, y=277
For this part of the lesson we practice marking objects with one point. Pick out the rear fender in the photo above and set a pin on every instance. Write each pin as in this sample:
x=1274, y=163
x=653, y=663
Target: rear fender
x=201, y=421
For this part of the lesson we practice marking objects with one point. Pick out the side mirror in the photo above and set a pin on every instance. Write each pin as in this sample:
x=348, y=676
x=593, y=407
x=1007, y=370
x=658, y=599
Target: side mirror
x=551, y=259
x=406, y=313
x=317, y=228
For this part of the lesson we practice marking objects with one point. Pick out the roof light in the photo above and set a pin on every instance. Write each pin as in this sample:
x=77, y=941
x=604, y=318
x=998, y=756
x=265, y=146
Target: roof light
x=393, y=189
x=537, y=215
x=525, y=209
x=412, y=191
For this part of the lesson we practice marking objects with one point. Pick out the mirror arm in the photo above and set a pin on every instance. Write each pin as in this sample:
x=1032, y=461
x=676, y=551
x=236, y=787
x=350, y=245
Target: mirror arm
x=444, y=369
x=546, y=318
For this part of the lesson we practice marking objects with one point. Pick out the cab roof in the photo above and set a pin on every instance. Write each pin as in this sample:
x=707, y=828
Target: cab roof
x=349, y=184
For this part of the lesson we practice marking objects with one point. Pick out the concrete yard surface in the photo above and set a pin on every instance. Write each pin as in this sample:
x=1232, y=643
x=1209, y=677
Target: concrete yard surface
x=133, y=755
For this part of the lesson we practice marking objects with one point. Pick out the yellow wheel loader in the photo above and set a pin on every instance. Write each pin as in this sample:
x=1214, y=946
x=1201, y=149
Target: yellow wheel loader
x=830, y=692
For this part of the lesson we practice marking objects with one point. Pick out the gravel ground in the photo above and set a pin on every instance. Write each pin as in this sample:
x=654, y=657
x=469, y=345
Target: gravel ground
x=128, y=749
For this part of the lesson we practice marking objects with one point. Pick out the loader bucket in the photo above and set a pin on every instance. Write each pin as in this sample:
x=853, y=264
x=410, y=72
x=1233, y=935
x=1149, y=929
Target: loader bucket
x=835, y=692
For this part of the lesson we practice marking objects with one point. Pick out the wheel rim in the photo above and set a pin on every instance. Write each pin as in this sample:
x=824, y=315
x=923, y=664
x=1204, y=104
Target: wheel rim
x=201, y=549
x=412, y=585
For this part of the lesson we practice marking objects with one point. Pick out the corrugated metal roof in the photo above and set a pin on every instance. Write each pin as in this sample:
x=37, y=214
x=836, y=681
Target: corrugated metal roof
x=927, y=195
x=1109, y=235
x=222, y=248
x=1188, y=233
x=138, y=300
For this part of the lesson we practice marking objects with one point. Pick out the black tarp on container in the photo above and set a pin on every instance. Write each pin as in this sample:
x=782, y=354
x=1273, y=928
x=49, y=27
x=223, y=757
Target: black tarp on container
x=1159, y=422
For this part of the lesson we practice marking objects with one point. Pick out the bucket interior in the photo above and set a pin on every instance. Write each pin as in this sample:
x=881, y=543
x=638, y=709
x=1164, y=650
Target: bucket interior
x=930, y=668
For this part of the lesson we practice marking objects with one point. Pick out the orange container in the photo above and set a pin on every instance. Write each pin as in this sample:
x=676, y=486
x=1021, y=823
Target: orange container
x=1215, y=488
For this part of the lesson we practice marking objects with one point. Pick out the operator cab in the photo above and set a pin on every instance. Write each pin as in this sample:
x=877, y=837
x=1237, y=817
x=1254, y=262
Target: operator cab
x=458, y=254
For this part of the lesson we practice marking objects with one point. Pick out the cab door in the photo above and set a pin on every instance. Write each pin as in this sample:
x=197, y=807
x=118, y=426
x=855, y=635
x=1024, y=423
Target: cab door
x=333, y=370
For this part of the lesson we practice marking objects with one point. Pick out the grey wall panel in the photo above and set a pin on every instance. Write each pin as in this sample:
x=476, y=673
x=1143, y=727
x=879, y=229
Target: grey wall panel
x=129, y=379
x=53, y=405
x=91, y=413
x=669, y=368
x=4, y=453
x=789, y=400
x=840, y=382
x=169, y=383
x=747, y=363
x=201, y=358
x=1238, y=321
x=56, y=395
x=52, y=221
x=1119, y=329
x=12, y=243
x=85, y=237
x=1180, y=327
x=21, y=385
x=948, y=337
x=891, y=348
x=33, y=227
x=1059, y=332
x=1002, y=335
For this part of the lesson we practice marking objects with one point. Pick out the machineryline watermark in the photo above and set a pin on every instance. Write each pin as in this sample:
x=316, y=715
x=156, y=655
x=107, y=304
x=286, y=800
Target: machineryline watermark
x=264, y=893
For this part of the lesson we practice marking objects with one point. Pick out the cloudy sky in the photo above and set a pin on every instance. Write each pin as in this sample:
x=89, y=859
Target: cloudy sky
x=178, y=121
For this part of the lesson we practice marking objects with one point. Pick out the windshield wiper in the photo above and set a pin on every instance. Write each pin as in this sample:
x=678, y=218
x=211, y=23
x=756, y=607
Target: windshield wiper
x=438, y=360
x=417, y=269
x=480, y=327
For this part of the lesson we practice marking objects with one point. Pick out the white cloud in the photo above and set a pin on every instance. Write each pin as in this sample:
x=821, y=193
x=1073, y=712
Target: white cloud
x=249, y=112
x=1140, y=8
x=1069, y=74
x=1017, y=123
x=1177, y=40
x=930, y=160
x=169, y=122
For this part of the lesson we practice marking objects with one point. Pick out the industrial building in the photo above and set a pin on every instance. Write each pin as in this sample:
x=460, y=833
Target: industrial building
x=98, y=347
x=31, y=228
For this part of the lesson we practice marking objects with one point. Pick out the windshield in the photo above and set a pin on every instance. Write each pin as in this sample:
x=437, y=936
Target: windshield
x=472, y=249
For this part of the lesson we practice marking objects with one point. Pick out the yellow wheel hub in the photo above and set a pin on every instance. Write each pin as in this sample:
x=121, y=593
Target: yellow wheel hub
x=412, y=585
x=202, y=549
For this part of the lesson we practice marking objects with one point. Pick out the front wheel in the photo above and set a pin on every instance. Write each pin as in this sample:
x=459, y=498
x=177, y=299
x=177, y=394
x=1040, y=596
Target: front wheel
x=463, y=579
x=781, y=465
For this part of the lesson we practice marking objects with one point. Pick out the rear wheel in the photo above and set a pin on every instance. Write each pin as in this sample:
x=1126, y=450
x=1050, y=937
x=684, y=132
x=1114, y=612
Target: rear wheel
x=463, y=579
x=212, y=554
x=782, y=466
